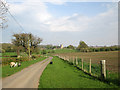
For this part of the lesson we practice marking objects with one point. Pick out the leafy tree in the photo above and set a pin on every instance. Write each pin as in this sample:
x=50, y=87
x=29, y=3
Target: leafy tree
x=71, y=47
x=26, y=40
x=17, y=43
x=91, y=49
x=84, y=50
x=82, y=45
x=49, y=47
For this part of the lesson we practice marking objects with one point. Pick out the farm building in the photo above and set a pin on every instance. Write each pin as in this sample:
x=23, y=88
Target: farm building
x=61, y=46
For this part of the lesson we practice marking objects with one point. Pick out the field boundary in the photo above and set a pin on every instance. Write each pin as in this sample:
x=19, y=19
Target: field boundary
x=75, y=64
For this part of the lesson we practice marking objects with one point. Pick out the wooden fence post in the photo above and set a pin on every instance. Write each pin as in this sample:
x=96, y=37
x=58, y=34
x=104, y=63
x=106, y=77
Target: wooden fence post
x=73, y=60
x=64, y=57
x=103, y=69
x=90, y=66
x=68, y=58
x=76, y=61
x=82, y=64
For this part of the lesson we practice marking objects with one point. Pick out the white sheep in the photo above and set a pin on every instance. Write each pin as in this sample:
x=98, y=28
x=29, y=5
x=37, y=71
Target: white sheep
x=13, y=64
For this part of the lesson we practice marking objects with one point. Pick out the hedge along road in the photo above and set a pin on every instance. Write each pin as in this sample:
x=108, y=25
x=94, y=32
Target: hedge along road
x=28, y=77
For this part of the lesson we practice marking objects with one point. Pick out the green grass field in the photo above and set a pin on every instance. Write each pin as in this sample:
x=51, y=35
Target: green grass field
x=7, y=71
x=12, y=54
x=60, y=74
x=60, y=51
x=64, y=50
x=9, y=54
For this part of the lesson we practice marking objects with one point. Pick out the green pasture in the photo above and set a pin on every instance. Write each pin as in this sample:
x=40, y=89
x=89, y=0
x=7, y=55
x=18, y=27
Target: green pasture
x=64, y=50
x=13, y=54
x=9, y=54
x=61, y=74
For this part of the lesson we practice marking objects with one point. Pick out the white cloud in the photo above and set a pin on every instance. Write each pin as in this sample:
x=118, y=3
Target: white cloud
x=36, y=9
x=37, y=16
x=30, y=12
x=76, y=22
x=69, y=23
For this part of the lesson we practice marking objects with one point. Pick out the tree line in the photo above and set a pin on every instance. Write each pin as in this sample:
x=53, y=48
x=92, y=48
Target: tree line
x=22, y=42
x=30, y=44
x=83, y=47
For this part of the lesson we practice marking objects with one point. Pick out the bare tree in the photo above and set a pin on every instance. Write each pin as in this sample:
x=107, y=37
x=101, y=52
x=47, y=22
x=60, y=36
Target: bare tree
x=3, y=11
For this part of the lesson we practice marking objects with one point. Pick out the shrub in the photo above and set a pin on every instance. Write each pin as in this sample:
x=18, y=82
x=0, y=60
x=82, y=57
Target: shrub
x=107, y=49
x=97, y=49
x=48, y=52
x=102, y=49
x=44, y=52
x=33, y=56
x=52, y=51
x=37, y=52
x=6, y=61
x=2, y=50
x=84, y=50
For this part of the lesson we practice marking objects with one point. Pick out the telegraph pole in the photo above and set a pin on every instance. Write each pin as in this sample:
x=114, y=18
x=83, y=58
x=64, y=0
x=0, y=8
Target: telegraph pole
x=28, y=47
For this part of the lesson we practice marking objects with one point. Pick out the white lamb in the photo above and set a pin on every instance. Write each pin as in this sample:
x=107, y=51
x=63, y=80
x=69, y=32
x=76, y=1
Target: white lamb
x=13, y=64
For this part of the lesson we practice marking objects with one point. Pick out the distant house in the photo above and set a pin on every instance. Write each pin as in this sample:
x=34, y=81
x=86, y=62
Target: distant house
x=61, y=46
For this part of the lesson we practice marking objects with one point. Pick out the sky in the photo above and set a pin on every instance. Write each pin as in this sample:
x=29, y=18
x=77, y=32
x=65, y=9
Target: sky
x=62, y=22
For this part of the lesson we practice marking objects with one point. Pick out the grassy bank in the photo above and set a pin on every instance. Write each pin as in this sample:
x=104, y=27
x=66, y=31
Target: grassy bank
x=7, y=71
x=111, y=77
x=60, y=74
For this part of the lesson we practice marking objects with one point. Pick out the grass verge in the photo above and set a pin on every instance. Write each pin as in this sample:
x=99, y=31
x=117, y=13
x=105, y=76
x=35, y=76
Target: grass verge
x=60, y=74
x=111, y=77
x=7, y=71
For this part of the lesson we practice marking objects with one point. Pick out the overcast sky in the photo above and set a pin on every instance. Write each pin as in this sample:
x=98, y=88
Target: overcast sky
x=65, y=23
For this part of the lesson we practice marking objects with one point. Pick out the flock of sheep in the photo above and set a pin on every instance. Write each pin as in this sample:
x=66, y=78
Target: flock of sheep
x=13, y=64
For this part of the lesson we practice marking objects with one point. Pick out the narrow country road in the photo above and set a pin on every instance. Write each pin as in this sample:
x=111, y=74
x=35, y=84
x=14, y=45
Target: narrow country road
x=26, y=78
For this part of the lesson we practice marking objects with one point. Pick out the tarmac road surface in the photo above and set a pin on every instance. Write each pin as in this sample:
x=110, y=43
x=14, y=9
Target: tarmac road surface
x=26, y=78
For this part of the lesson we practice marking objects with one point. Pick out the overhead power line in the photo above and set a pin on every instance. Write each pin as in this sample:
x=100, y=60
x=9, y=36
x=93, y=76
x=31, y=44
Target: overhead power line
x=16, y=21
x=13, y=17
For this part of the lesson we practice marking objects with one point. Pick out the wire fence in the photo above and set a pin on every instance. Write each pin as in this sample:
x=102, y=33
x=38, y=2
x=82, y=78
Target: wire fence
x=97, y=70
